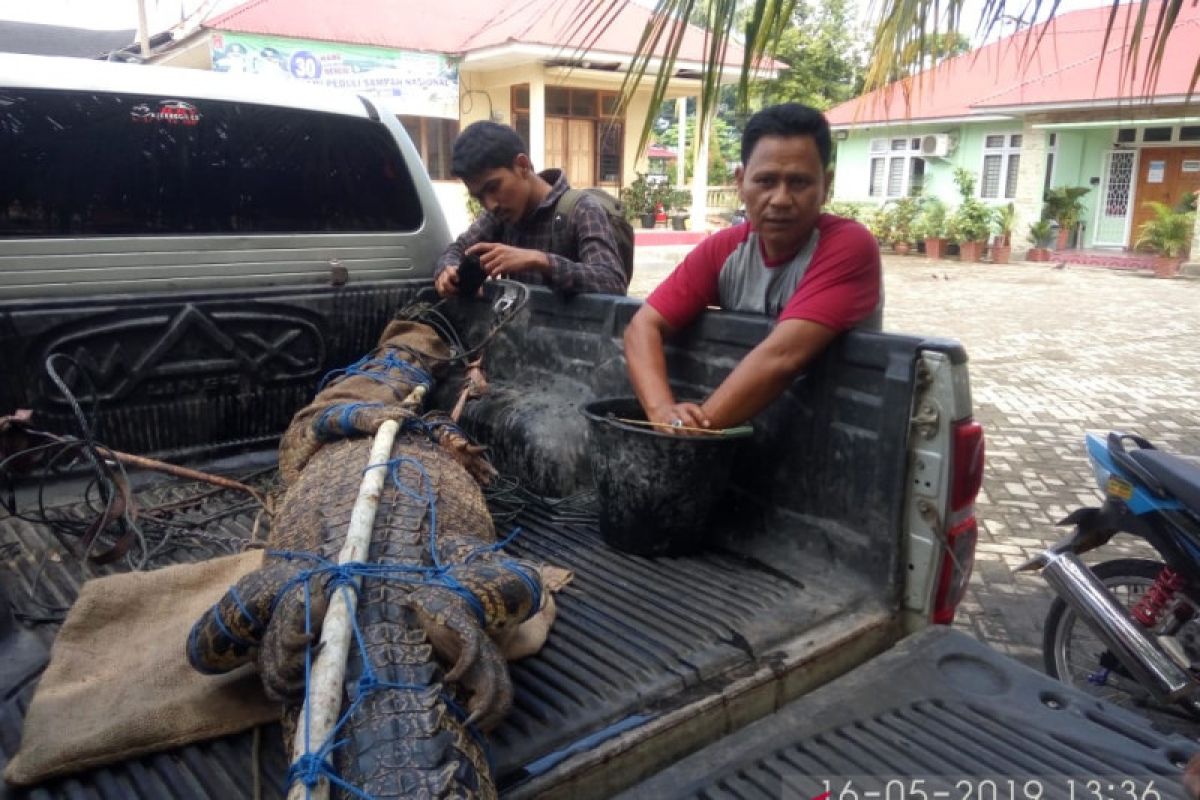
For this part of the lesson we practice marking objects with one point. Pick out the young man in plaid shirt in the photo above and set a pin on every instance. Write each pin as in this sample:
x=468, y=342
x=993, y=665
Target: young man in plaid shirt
x=513, y=238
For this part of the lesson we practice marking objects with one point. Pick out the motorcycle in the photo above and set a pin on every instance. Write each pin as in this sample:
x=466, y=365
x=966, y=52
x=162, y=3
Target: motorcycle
x=1139, y=641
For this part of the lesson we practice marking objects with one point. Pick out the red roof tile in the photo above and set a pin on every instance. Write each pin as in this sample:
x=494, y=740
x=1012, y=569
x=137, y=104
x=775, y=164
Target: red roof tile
x=1009, y=73
x=457, y=27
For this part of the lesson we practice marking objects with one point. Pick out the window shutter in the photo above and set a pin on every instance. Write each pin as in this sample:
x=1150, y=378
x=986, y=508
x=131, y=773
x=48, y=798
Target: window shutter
x=989, y=184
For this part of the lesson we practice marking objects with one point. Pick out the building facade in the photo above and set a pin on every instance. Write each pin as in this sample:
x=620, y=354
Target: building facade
x=545, y=69
x=1023, y=124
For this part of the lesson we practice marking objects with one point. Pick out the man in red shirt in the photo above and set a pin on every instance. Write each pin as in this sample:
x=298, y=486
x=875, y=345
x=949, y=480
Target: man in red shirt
x=818, y=274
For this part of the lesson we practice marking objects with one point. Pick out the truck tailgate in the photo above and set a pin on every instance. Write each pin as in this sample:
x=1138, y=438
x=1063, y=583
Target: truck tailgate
x=938, y=717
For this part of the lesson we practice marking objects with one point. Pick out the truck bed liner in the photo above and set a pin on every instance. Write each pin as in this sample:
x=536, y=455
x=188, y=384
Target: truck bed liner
x=633, y=636
x=941, y=708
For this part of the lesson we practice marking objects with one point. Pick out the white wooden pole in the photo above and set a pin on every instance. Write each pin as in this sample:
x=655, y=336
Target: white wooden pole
x=700, y=169
x=680, y=152
x=323, y=704
x=143, y=31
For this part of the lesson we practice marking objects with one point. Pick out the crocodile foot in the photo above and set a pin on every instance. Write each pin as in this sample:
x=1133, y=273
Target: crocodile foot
x=458, y=638
x=281, y=658
x=471, y=457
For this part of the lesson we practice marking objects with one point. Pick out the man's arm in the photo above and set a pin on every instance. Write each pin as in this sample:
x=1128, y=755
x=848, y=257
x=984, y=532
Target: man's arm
x=758, y=379
x=644, y=338
x=766, y=371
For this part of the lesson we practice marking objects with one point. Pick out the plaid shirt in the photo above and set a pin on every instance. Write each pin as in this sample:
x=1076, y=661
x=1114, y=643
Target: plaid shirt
x=599, y=268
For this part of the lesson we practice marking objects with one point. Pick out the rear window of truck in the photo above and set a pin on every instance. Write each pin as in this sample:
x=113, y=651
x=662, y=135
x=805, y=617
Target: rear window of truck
x=83, y=163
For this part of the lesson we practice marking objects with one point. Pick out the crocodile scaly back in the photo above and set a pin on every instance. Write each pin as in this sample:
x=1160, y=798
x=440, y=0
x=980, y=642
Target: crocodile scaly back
x=423, y=678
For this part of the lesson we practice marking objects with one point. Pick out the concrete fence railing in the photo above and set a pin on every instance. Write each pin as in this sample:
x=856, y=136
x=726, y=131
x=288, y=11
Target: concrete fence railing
x=722, y=198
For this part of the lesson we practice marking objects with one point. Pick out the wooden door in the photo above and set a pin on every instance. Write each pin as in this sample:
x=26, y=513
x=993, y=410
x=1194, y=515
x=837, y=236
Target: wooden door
x=1164, y=174
x=581, y=153
x=556, y=144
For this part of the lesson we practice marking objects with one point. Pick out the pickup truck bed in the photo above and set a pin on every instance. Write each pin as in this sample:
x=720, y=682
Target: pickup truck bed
x=635, y=639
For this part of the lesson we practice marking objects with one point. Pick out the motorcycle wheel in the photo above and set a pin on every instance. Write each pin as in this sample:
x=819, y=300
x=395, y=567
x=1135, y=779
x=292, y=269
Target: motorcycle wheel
x=1072, y=652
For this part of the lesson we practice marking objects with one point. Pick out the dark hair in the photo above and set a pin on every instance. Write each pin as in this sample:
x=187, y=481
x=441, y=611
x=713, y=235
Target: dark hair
x=485, y=145
x=788, y=119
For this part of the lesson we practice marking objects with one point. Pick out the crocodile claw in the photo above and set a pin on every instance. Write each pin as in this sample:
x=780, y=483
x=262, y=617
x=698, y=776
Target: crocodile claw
x=457, y=638
x=281, y=661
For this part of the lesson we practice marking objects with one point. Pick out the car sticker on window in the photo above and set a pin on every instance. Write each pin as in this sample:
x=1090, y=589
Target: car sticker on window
x=169, y=112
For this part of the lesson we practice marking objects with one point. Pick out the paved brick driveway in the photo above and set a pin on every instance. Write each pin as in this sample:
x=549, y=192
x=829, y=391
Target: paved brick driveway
x=1053, y=353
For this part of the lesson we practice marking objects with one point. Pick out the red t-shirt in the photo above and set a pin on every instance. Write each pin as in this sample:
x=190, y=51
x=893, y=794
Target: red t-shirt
x=840, y=287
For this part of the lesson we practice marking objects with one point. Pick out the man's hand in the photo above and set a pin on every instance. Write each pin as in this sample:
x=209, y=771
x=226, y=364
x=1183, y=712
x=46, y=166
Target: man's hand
x=502, y=259
x=1191, y=777
x=678, y=416
x=447, y=282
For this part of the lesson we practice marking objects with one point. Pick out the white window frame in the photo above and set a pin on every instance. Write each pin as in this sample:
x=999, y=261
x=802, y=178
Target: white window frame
x=882, y=149
x=1006, y=152
x=1139, y=136
x=1052, y=155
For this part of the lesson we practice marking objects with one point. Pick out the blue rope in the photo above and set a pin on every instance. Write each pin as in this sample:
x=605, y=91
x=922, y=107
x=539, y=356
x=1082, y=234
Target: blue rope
x=377, y=367
x=233, y=637
x=255, y=625
x=344, y=412
x=311, y=767
x=534, y=589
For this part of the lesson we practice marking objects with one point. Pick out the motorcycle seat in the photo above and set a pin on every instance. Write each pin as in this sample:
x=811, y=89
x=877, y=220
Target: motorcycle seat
x=1178, y=476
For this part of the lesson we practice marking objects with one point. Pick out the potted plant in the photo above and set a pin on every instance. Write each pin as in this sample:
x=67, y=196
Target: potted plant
x=1063, y=207
x=902, y=220
x=638, y=199
x=1169, y=234
x=1039, y=237
x=971, y=221
x=678, y=201
x=1004, y=218
x=931, y=226
x=879, y=223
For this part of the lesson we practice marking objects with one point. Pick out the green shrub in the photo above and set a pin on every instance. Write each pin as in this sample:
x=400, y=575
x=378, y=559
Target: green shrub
x=1039, y=233
x=638, y=197
x=1169, y=233
x=856, y=211
x=972, y=220
x=931, y=222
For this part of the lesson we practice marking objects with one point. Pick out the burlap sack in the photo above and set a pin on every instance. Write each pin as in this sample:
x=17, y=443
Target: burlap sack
x=119, y=684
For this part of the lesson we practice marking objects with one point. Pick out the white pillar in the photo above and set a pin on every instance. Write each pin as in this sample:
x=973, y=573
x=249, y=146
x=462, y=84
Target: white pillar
x=700, y=171
x=537, y=121
x=1031, y=181
x=1192, y=265
x=680, y=161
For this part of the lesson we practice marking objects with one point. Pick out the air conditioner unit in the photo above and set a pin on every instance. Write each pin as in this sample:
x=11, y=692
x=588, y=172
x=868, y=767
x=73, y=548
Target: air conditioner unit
x=937, y=145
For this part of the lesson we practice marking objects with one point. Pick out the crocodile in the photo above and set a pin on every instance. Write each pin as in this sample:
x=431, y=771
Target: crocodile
x=425, y=675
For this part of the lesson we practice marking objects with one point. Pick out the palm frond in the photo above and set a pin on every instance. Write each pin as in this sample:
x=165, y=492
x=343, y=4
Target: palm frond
x=902, y=29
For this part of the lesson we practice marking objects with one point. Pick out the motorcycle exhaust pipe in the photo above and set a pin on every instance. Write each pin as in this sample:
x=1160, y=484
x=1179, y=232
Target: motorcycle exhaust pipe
x=1079, y=587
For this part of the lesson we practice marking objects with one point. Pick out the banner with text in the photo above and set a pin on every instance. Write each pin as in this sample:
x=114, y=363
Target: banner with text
x=420, y=84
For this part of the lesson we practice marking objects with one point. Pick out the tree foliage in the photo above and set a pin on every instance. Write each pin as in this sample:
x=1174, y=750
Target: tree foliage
x=724, y=146
x=901, y=29
x=826, y=58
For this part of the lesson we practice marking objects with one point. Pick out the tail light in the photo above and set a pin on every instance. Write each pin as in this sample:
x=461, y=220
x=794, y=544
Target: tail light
x=966, y=476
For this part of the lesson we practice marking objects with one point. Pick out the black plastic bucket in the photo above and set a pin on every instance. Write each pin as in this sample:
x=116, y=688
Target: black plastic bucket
x=656, y=491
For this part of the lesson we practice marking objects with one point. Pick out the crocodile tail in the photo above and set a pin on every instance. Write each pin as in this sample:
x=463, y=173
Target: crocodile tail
x=404, y=737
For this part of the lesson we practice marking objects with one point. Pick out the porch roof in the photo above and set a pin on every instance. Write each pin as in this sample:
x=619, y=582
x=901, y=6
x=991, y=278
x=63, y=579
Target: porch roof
x=465, y=26
x=1018, y=74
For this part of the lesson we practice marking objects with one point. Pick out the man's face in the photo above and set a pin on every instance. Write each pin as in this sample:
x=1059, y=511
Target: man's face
x=504, y=191
x=783, y=186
